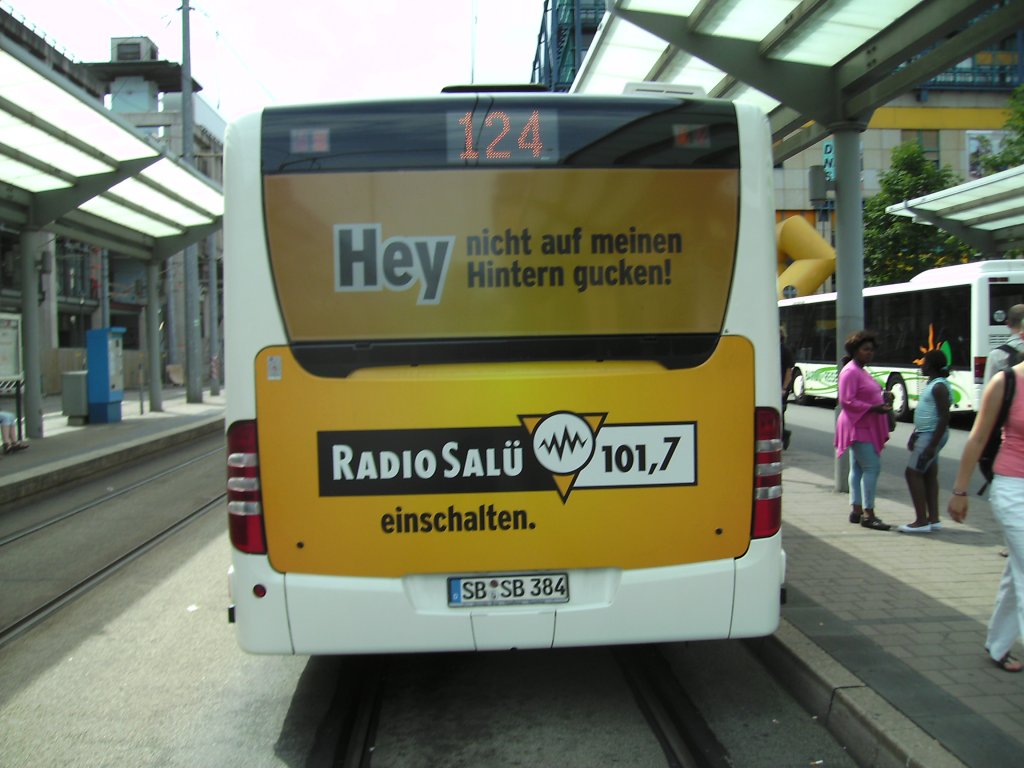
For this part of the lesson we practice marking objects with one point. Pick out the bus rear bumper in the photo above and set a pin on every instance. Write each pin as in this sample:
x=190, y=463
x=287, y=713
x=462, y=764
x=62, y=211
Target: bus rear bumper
x=308, y=614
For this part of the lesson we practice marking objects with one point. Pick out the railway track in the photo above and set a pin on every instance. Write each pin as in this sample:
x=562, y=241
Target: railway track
x=64, y=553
x=366, y=728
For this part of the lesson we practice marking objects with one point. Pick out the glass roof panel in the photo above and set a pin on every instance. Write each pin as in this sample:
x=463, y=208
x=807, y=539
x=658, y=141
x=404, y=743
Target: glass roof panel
x=47, y=149
x=689, y=70
x=146, y=197
x=839, y=29
x=608, y=68
x=998, y=198
x=184, y=184
x=52, y=104
x=1014, y=221
x=126, y=217
x=747, y=20
x=46, y=120
x=680, y=7
x=28, y=178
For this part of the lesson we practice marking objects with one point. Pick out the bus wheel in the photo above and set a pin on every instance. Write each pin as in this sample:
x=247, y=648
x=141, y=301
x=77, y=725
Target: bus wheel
x=900, y=402
x=799, y=391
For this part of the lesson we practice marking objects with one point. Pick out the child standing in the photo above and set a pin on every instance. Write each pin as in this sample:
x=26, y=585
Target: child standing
x=931, y=431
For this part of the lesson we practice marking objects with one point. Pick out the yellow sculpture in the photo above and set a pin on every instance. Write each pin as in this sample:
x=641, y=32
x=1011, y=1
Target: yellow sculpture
x=806, y=260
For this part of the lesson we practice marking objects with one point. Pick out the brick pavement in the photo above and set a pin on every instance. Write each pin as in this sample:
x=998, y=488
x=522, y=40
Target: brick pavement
x=906, y=614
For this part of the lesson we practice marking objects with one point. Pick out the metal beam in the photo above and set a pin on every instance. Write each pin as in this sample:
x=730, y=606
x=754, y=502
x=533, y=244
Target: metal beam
x=1002, y=215
x=980, y=239
x=784, y=120
x=701, y=12
x=723, y=86
x=33, y=162
x=797, y=18
x=99, y=240
x=798, y=141
x=50, y=206
x=977, y=36
x=167, y=246
x=153, y=352
x=104, y=233
x=808, y=88
x=665, y=60
x=914, y=32
x=15, y=199
x=1010, y=239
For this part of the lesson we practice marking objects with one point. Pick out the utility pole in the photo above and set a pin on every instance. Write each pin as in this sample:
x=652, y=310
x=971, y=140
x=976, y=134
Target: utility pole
x=213, y=303
x=193, y=337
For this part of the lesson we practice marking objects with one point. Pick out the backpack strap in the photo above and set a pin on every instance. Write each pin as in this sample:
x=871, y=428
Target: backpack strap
x=1009, y=389
x=1013, y=355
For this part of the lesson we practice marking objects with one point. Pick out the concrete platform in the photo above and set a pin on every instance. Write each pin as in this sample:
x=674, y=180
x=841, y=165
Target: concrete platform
x=68, y=452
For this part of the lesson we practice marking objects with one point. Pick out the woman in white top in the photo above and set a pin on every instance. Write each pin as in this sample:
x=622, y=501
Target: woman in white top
x=1006, y=626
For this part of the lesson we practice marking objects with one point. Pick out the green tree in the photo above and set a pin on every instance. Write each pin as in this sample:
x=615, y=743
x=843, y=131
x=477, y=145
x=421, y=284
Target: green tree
x=1012, y=151
x=895, y=248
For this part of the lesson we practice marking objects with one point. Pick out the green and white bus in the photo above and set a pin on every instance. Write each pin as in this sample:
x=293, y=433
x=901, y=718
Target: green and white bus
x=960, y=310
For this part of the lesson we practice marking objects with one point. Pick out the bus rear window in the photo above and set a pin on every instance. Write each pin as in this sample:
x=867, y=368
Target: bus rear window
x=1002, y=296
x=489, y=131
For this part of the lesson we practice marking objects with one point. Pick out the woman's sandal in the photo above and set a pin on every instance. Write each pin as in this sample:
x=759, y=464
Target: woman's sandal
x=1008, y=664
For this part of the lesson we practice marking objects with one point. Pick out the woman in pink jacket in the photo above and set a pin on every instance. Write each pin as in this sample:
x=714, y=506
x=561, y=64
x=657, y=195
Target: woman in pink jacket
x=862, y=428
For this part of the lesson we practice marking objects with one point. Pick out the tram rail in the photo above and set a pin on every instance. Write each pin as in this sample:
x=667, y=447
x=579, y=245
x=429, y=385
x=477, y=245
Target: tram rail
x=41, y=612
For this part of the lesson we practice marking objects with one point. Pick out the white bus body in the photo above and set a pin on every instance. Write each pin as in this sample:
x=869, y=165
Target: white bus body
x=960, y=310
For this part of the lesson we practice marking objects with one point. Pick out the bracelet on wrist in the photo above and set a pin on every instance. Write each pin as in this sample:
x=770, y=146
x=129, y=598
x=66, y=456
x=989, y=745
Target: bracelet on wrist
x=958, y=492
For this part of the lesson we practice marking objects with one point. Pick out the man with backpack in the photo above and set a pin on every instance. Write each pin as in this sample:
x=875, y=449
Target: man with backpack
x=1010, y=352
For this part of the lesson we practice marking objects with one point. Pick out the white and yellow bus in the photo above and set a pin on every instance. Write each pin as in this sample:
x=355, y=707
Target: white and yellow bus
x=502, y=372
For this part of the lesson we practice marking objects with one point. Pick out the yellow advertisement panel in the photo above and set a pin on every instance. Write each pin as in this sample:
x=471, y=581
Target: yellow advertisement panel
x=496, y=253
x=504, y=467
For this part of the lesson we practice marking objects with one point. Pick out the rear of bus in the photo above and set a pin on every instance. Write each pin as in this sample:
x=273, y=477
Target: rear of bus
x=503, y=372
x=998, y=286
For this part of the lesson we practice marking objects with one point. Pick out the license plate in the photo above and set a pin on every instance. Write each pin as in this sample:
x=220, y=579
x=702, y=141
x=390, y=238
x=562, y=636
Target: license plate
x=508, y=589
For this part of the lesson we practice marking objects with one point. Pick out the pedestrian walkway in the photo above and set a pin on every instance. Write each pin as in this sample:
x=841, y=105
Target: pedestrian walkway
x=67, y=452
x=906, y=616
x=882, y=635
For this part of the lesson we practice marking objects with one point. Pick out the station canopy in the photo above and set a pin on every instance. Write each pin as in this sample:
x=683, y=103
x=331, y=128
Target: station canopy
x=812, y=65
x=70, y=166
x=987, y=213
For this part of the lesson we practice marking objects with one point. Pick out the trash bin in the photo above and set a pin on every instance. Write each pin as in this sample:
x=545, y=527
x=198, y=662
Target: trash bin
x=74, y=396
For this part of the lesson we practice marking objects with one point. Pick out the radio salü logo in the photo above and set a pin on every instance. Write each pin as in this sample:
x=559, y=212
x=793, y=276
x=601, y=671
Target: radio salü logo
x=563, y=444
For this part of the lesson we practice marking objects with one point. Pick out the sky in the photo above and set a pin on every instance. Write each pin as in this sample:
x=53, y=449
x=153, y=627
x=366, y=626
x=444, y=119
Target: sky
x=247, y=54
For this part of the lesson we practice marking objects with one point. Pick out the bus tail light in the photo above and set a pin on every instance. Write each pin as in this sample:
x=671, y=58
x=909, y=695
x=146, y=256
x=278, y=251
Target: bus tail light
x=979, y=370
x=767, y=473
x=245, y=498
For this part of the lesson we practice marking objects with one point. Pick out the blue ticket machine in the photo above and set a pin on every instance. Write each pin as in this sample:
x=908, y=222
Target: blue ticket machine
x=104, y=349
